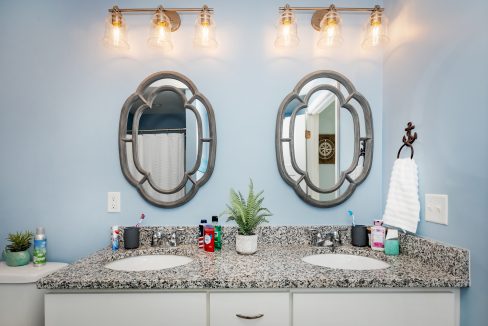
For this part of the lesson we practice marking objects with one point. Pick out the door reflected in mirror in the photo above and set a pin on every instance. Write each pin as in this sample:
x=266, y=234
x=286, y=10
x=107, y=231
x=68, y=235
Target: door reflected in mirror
x=322, y=127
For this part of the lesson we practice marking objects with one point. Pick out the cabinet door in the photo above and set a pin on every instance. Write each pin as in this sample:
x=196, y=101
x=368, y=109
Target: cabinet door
x=126, y=309
x=250, y=309
x=375, y=308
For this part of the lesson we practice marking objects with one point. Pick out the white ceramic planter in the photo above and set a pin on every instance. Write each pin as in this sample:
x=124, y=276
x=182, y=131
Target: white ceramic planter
x=246, y=244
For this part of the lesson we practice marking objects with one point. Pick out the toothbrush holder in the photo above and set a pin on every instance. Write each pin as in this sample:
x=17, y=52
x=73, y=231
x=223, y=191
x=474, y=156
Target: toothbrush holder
x=131, y=237
x=359, y=236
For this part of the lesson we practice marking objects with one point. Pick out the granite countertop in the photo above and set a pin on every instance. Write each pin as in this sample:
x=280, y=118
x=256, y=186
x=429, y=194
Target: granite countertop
x=273, y=266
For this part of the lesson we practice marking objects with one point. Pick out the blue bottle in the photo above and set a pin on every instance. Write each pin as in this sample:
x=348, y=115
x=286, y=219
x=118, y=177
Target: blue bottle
x=40, y=248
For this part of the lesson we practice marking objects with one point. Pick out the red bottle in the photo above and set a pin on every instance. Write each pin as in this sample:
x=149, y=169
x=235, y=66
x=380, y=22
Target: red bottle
x=209, y=239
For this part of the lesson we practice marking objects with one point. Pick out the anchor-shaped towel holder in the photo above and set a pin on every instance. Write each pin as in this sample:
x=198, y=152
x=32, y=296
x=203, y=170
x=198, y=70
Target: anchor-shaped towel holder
x=408, y=139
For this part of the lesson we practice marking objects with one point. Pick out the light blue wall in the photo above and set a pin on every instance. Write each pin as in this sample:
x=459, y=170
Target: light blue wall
x=62, y=92
x=435, y=74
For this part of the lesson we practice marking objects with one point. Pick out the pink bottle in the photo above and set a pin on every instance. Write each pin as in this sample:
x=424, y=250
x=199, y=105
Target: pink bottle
x=378, y=232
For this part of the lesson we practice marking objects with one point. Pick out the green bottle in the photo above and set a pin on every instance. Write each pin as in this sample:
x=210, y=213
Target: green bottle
x=218, y=232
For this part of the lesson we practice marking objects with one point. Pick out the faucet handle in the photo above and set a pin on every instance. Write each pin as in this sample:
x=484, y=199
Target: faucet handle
x=316, y=237
x=173, y=237
x=154, y=238
x=337, y=236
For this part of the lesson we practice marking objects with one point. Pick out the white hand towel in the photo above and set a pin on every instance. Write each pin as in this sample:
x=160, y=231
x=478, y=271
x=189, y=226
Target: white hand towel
x=402, y=205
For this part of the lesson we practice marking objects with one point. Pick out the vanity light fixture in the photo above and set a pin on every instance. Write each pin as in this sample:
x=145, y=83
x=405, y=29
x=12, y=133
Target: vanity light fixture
x=164, y=21
x=115, y=30
x=205, y=30
x=160, y=35
x=330, y=29
x=376, y=29
x=287, y=29
x=327, y=21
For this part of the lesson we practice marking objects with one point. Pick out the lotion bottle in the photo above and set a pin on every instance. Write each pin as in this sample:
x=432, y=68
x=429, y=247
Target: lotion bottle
x=115, y=238
x=378, y=232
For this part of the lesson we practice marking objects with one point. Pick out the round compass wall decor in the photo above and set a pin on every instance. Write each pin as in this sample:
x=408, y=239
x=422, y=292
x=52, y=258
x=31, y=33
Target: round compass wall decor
x=326, y=149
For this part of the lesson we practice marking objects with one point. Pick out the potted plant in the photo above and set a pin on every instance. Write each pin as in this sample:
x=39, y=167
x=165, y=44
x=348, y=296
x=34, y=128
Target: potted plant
x=16, y=253
x=248, y=214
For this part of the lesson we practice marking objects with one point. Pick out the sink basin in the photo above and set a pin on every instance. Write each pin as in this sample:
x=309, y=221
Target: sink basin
x=339, y=261
x=148, y=263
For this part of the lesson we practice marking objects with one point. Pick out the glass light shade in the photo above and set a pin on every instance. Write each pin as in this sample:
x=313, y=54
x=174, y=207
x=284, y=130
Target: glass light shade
x=376, y=30
x=115, y=32
x=160, y=35
x=330, y=30
x=205, y=30
x=287, y=36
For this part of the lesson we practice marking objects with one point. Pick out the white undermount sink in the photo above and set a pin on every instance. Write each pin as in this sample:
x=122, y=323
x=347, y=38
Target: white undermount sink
x=339, y=261
x=148, y=263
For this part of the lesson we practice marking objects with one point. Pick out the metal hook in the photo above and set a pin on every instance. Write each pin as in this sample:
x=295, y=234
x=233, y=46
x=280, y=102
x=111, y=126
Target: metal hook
x=408, y=139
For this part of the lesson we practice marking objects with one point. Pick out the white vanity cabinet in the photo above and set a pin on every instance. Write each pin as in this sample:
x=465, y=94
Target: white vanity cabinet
x=255, y=307
x=126, y=309
x=379, y=308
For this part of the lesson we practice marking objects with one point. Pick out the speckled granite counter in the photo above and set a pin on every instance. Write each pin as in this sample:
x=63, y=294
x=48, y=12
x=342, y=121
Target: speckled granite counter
x=423, y=263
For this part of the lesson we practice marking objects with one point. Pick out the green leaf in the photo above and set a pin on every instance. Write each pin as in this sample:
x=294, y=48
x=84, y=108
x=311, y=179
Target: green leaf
x=19, y=241
x=248, y=214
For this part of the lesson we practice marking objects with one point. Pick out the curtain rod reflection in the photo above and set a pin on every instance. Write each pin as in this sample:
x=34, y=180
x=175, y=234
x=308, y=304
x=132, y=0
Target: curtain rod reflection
x=163, y=130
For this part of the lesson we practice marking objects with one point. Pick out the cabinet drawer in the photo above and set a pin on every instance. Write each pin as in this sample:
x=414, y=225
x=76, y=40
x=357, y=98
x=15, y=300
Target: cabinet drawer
x=126, y=309
x=375, y=308
x=274, y=308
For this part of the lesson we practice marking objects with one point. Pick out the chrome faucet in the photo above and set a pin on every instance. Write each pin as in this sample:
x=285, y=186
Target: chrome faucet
x=330, y=239
x=172, y=239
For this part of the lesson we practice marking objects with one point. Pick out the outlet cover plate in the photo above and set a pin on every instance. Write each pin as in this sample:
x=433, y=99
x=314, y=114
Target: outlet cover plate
x=436, y=208
x=113, y=202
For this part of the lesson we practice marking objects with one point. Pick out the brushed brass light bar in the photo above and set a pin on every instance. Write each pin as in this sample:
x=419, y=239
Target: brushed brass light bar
x=152, y=10
x=320, y=12
x=337, y=8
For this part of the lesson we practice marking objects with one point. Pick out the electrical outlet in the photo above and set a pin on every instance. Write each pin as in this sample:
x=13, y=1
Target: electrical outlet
x=436, y=208
x=113, y=202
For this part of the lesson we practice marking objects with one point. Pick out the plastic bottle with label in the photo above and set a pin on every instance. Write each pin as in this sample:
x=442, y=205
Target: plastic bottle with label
x=40, y=247
x=218, y=232
x=378, y=232
x=209, y=238
x=201, y=228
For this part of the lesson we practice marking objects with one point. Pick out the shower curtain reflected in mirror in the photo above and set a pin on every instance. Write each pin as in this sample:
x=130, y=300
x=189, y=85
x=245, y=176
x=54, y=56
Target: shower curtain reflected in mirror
x=163, y=156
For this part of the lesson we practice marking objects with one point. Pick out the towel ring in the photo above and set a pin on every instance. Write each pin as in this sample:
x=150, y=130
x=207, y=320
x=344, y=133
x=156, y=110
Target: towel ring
x=408, y=139
x=411, y=150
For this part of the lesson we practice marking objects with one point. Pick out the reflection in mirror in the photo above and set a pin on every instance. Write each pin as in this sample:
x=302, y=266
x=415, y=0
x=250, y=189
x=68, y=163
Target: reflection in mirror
x=320, y=128
x=167, y=139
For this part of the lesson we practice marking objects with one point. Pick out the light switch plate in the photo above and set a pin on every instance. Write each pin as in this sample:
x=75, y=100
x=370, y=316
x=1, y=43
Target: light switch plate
x=436, y=208
x=113, y=202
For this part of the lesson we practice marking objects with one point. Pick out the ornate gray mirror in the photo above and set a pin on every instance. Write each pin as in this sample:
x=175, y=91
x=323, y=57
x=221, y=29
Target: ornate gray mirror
x=324, y=138
x=167, y=139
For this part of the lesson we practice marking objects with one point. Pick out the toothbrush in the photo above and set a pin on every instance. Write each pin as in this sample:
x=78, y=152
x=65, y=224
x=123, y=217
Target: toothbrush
x=141, y=220
x=350, y=213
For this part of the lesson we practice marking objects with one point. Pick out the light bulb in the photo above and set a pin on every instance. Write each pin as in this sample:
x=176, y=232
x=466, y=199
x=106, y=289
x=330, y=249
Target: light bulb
x=115, y=31
x=375, y=34
x=376, y=29
x=330, y=29
x=160, y=36
x=205, y=30
x=287, y=36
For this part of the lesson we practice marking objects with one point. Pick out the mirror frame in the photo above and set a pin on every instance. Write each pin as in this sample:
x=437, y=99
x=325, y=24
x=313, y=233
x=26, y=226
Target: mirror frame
x=147, y=102
x=363, y=146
